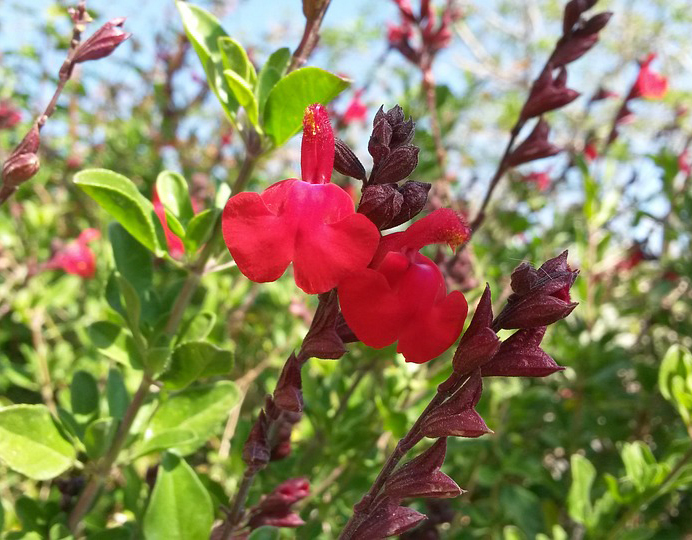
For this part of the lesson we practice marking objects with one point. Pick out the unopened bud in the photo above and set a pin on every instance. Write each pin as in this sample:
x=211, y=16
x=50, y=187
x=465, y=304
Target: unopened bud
x=346, y=162
x=521, y=356
x=256, y=451
x=18, y=169
x=388, y=519
x=313, y=8
x=102, y=42
x=535, y=146
x=396, y=166
x=288, y=394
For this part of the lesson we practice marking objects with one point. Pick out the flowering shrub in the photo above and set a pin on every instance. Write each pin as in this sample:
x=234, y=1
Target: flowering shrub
x=394, y=346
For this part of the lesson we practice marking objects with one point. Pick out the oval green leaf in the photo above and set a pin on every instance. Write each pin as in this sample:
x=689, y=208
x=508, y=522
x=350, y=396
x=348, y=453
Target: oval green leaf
x=180, y=507
x=118, y=196
x=31, y=444
x=202, y=410
x=287, y=100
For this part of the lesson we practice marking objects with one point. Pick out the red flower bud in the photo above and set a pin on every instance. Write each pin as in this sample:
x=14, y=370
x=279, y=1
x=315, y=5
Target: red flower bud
x=456, y=416
x=9, y=115
x=288, y=394
x=176, y=248
x=396, y=166
x=535, y=146
x=548, y=93
x=18, y=169
x=275, y=509
x=346, y=162
x=479, y=343
x=541, y=297
x=77, y=258
x=322, y=340
x=256, y=451
x=421, y=477
x=388, y=519
x=521, y=356
x=102, y=42
x=381, y=204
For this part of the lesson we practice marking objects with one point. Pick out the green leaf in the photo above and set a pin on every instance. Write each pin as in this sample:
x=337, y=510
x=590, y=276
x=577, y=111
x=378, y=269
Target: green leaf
x=84, y=393
x=119, y=197
x=204, y=31
x=116, y=394
x=30, y=442
x=98, y=437
x=270, y=74
x=199, y=229
x=111, y=340
x=202, y=410
x=234, y=57
x=132, y=259
x=165, y=441
x=195, y=360
x=286, y=102
x=156, y=359
x=180, y=507
x=243, y=95
x=579, y=497
x=199, y=326
x=675, y=380
x=173, y=193
x=133, y=307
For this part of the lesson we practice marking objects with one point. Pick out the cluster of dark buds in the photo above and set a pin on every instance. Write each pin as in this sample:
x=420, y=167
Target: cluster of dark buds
x=23, y=162
x=432, y=36
x=383, y=201
x=540, y=297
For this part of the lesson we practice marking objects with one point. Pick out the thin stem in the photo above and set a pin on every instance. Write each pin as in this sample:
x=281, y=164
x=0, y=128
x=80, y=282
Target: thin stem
x=363, y=508
x=88, y=495
x=311, y=35
x=237, y=508
x=499, y=172
x=80, y=17
x=431, y=101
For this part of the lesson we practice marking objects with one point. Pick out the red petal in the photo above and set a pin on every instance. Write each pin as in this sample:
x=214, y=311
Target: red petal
x=332, y=241
x=432, y=333
x=443, y=226
x=371, y=309
x=261, y=242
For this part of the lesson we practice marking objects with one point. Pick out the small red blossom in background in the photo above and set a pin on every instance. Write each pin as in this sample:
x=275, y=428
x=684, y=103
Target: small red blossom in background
x=9, y=115
x=433, y=36
x=590, y=151
x=175, y=245
x=684, y=165
x=76, y=257
x=403, y=297
x=649, y=84
x=541, y=179
x=309, y=222
x=356, y=111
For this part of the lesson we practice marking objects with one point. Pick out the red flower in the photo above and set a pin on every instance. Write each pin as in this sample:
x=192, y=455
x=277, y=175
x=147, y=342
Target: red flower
x=356, y=111
x=9, y=115
x=309, y=222
x=590, y=152
x=77, y=258
x=402, y=296
x=175, y=244
x=649, y=84
x=684, y=163
x=541, y=179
